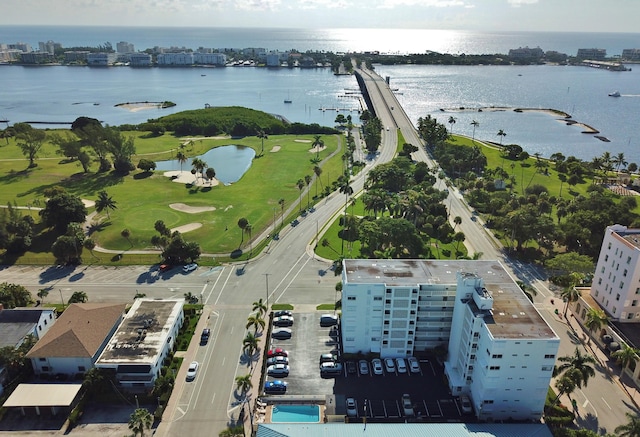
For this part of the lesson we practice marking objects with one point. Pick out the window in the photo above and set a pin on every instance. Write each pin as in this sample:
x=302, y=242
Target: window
x=377, y=298
x=388, y=301
x=81, y=369
x=351, y=298
x=599, y=281
x=549, y=356
x=624, y=273
x=618, y=296
x=634, y=303
x=497, y=356
x=42, y=359
x=45, y=368
x=547, y=368
x=45, y=322
x=494, y=368
x=629, y=316
x=628, y=260
x=637, y=290
x=606, y=258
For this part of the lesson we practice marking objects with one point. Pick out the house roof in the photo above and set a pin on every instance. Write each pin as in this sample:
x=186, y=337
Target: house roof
x=17, y=323
x=79, y=331
x=43, y=395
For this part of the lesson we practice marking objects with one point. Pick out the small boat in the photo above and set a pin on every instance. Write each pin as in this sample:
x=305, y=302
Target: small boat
x=614, y=94
x=288, y=99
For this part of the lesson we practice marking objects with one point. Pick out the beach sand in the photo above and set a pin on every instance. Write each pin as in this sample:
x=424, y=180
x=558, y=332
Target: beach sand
x=185, y=177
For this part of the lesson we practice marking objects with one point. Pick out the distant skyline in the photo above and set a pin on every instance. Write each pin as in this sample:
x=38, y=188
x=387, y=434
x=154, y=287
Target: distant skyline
x=506, y=15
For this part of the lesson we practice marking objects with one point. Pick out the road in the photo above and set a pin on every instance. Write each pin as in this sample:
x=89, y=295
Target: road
x=288, y=271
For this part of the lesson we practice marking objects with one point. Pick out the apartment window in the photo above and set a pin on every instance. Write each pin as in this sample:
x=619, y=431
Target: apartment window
x=624, y=273
x=547, y=368
x=45, y=368
x=637, y=290
x=45, y=322
x=497, y=356
x=634, y=303
x=549, y=356
x=602, y=270
x=39, y=328
x=614, y=310
x=81, y=369
x=621, y=284
x=476, y=335
x=388, y=301
x=386, y=322
x=487, y=401
x=629, y=316
x=377, y=298
x=42, y=359
x=472, y=357
x=351, y=298
x=597, y=292
x=609, y=247
x=606, y=258
x=387, y=312
x=628, y=260
x=618, y=296
x=599, y=281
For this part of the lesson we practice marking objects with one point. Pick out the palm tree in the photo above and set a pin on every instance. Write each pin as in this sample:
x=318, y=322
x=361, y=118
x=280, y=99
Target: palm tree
x=300, y=185
x=140, y=419
x=631, y=428
x=242, y=224
x=263, y=136
x=595, y=320
x=105, y=202
x=244, y=384
x=317, y=144
x=260, y=307
x=78, y=297
x=318, y=171
x=182, y=158
x=475, y=124
x=250, y=343
x=619, y=161
x=199, y=165
x=565, y=385
x=126, y=233
x=256, y=321
x=89, y=244
x=347, y=190
x=457, y=220
x=626, y=356
x=563, y=179
x=578, y=367
x=211, y=173
x=307, y=180
x=501, y=134
x=281, y=203
x=42, y=293
x=569, y=295
x=452, y=121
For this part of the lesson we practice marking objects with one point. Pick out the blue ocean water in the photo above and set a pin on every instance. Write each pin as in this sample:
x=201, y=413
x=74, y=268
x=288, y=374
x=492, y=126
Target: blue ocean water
x=61, y=94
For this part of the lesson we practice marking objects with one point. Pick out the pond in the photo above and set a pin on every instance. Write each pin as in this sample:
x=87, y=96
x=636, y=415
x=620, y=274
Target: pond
x=229, y=162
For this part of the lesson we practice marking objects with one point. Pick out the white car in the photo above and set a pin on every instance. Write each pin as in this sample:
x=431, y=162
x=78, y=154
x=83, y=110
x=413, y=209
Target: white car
x=465, y=404
x=363, y=366
x=352, y=409
x=192, y=370
x=401, y=365
x=414, y=365
x=389, y=365
x=278, y=370
x=189, y=267
x=376, y=363
x=407, y=406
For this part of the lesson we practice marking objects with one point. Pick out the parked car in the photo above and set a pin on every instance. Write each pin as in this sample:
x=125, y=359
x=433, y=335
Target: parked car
x=192, y=370
x=407, y=406
x=277, y=352
x=165, y=267
x=277, y=360
x=376, y=364
x=278, y=370
x=295, y=223
x=189, y=267
x=283, y=321
x=465, y=404
x=204, y=337
x=414, y=365
x=364, y=367
x=281, y=333
x=328, y=320
x=275, y=387
x=281, y=313
x=401, y=365
x=389, y=365
x=330, y=369
x=352, y=409
x=352, y=369
x=328, y=358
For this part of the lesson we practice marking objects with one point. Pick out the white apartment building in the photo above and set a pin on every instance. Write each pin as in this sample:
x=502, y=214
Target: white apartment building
x=203, y=58
x=125, y=47
x=183, y=59
x=101, y=59
x=140, y=60
x=616, y=281
x=501, y=352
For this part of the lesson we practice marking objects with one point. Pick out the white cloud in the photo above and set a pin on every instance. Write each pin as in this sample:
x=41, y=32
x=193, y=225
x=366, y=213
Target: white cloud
x=257, y=5
x=518, y=3
x=390, y=4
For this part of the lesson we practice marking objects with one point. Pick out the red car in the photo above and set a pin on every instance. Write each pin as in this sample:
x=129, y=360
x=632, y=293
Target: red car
x=278, y=352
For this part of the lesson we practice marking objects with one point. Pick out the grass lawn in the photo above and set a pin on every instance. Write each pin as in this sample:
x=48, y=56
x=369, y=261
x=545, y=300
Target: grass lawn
x=142, y=198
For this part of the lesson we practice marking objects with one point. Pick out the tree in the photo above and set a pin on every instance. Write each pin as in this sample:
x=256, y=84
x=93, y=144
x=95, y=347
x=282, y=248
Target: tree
x=211, y=173
x=347, y=190
x=89, y=244
x=565, y=385
x=631, y=428
x=30, y=141
x=78, y=297
x=182, y=158
x=260, y=307
x=475, y=124
x=42, y=294
x=199, y=165
x=146, y=165
x=317, y=144
x=126, y=233
x=281, y=203
x=452, y=121
x=263, y=136
x=105, y=202
x=501, y=134
x=140, y=420
x=256, y=321
x=300, y=185
x=244, y=384
x=318, y=171
x=14, y=295
x=569, y=295
x=250, y=344
x=307, y=180
x=595, y=320
x=242, y=224
x=626, y=356
x=62, y=209
x=579, y=367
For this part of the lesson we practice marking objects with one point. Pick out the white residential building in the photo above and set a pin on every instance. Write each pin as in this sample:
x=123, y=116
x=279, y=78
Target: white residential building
x=501, y=351
x=125, y=47
x=175, y=59
x=140, y=60
x=209, y=58
x=101, y=59
x=616, y=281
x=143, y=340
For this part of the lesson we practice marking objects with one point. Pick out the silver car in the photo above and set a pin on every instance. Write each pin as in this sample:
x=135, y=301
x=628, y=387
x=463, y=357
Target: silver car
x=192, y=370
x=278, y=370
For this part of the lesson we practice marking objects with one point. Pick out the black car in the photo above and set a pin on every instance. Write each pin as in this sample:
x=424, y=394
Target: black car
x=204, y=337
x=283, y=321
x=352, y=369
x=281, y=333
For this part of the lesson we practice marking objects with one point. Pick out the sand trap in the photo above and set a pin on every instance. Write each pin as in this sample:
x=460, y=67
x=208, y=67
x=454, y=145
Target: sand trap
x=186, y=228
x=88, y=203
x=191, y=209
x=275, y=149
x=185, y=177
x=302, y=141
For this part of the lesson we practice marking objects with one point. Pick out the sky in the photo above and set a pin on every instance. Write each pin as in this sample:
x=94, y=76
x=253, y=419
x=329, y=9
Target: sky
x=523, y=15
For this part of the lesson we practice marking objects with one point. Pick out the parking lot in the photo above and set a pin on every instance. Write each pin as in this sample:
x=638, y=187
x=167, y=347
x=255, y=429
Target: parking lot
x=378, y=396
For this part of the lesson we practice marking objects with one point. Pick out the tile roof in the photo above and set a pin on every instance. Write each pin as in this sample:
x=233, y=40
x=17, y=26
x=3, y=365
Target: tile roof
x=79, y=331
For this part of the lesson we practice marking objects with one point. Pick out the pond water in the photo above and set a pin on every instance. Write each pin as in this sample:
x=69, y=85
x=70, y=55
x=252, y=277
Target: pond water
x=229, y=162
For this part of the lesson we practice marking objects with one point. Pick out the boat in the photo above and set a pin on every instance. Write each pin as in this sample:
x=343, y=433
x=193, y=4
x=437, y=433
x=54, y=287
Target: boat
x=288, y=99
x=614, y=94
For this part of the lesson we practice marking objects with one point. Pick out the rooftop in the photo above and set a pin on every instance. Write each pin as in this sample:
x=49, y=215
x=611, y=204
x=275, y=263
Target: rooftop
x=512, y=316
x=143, y=332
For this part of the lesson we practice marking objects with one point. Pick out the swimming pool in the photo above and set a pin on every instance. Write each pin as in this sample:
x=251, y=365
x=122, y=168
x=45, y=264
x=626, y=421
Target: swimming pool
x=295, y=413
